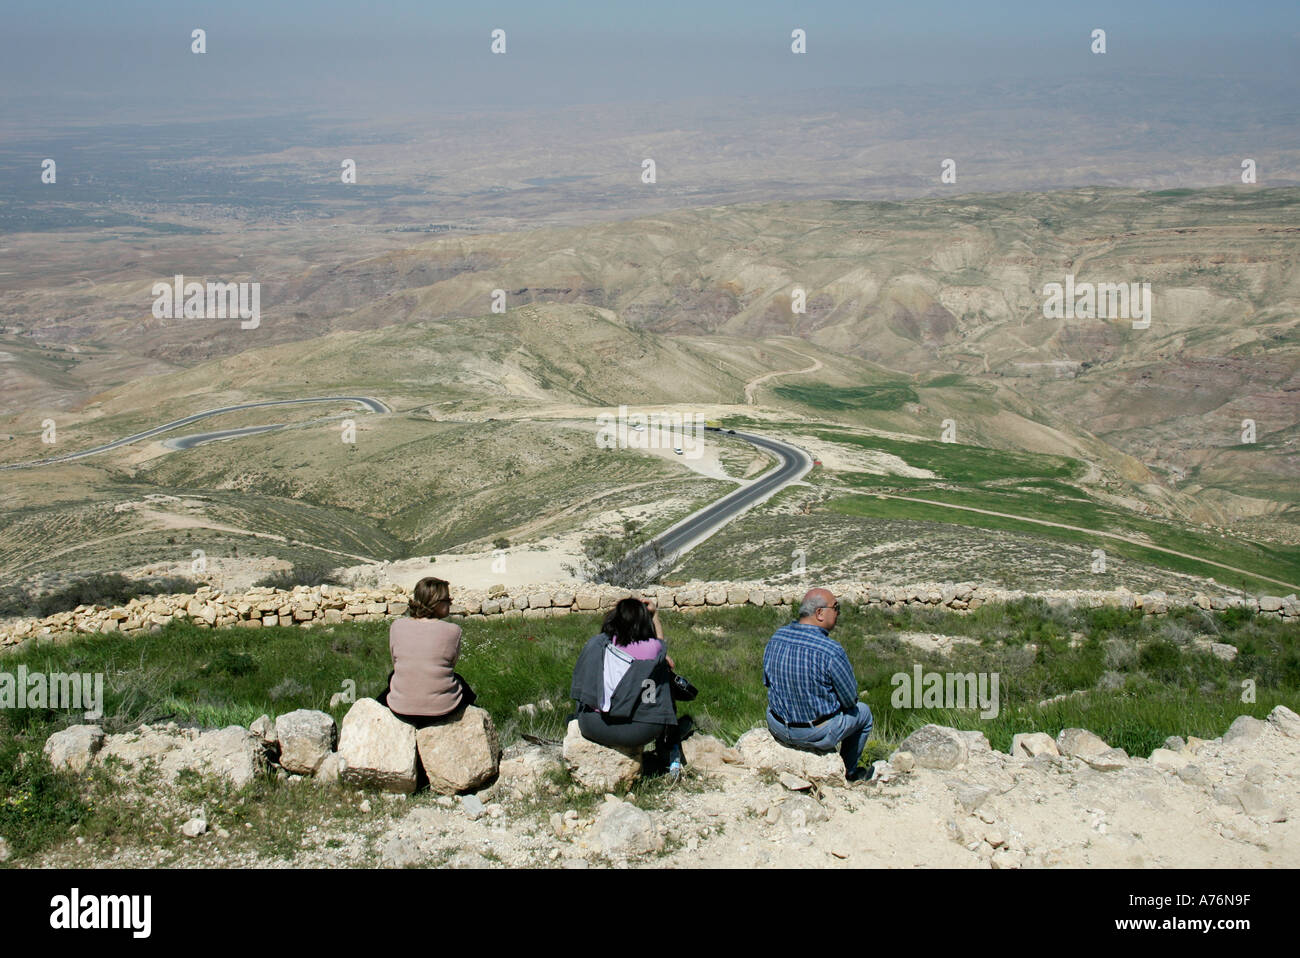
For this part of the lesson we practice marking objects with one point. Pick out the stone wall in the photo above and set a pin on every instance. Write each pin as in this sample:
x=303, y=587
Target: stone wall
x=307, y=606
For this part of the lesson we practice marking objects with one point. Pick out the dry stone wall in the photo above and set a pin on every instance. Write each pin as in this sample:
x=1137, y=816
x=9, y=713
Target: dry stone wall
x=307, y=606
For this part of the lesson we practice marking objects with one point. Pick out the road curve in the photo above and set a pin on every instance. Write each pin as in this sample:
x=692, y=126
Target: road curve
x=679, y=539
x=374, y=405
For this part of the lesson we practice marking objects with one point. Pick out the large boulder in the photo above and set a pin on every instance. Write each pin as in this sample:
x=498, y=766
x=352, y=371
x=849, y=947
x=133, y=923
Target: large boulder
x=74, y=748
x=377, y=748
x=306, y=737
x=599, y=767
x=937, y=746
x=232, y=753
x=758, y=749
x=460, y=753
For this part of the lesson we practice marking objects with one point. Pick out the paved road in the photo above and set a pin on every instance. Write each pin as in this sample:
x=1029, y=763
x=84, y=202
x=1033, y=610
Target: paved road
x=374, y=405
x=675, y=541
x=199, y=438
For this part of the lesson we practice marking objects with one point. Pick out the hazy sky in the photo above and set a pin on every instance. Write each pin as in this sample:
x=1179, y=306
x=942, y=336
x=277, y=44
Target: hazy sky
x=113, y=60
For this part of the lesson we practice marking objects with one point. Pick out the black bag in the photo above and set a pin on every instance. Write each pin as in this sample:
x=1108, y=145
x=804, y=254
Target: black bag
x=683, y=691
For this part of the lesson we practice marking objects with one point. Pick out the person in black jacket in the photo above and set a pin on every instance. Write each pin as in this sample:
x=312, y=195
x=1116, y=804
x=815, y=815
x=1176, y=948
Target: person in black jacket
x=621, y=683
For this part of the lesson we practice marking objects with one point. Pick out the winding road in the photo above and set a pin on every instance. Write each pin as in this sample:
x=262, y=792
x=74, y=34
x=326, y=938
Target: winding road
x=374, y=405
x=685, y=535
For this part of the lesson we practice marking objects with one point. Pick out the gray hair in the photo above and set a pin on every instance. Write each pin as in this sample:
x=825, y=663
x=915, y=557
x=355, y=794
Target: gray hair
x=811, y=604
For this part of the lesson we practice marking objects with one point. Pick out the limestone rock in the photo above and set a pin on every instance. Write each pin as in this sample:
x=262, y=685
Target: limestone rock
x=473, y=807
x=937, y=746
x=800, y=811
x=758, y=749
x=460, y=753
x=971, y=797
x=903, y=761
x=1167, y=758
x=306, y=737
x=75, y=747
x=1285, y=721
x=597, y=766
x=623, y=829
x=263, y=730
x=1252, y=800
x=329, y=770
x=1110, y=760
x=1080, y=743
x=230, y=753
x=1033, y=744
x=377, y=748
x=1243, y=731
x=526, y=768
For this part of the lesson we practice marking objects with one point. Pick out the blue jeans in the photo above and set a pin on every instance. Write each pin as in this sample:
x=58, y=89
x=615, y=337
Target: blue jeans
x=847, y=730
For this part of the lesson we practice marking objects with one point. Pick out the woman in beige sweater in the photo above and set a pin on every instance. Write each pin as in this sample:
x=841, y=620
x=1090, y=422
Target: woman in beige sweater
x=424, y=686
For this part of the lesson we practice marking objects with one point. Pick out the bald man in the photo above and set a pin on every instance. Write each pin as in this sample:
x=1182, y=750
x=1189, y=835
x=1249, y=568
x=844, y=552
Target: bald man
x=812, y=694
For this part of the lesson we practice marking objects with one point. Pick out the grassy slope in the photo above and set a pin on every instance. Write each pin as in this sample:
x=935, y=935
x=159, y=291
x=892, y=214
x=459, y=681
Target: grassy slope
x=1143, y=688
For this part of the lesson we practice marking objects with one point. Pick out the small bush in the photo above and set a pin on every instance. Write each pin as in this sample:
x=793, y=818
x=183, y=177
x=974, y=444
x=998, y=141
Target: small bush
x=37, y=804
x=630, y=561
x=1161, y=659
x=234, y=664
x=288, y=689
x=302, y=573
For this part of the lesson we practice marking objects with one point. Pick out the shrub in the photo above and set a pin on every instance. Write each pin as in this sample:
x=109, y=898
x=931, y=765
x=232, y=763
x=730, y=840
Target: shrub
x=227, y=662
x=37, y=804
x=302, y=573
x=1162, y=659
x=630, y=561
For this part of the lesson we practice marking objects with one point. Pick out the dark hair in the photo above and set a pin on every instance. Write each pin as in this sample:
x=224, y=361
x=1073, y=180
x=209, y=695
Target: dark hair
x=430, y=599
x=629, y=621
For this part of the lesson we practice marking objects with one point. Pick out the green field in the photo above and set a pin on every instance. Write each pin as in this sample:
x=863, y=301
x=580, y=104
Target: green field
x=883, y=396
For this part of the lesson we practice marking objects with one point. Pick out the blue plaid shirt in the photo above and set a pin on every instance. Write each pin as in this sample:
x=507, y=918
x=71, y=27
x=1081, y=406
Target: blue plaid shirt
x=807, y=674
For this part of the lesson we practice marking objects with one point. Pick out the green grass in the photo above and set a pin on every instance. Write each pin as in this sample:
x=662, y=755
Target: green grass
x=880, y=396
x=960, y=462
x=1280, y=562
x=1144, y=686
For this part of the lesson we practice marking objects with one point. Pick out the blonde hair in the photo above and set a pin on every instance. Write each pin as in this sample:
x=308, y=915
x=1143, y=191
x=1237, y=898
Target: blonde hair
x=430, y=599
